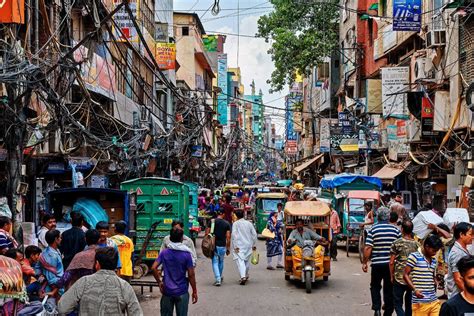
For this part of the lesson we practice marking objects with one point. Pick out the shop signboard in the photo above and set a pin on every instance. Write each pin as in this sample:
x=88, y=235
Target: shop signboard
x=222, y=84
x=407, y=15
x=395, y=84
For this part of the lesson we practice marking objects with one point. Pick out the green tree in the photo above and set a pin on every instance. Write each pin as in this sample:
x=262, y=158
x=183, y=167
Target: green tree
x=302, y=33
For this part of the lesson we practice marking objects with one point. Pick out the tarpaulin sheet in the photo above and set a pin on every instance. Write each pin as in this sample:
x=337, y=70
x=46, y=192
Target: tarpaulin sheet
x=331, y=182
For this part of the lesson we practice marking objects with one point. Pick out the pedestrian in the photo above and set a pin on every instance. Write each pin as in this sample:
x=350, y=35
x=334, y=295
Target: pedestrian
x=222, y=242
x=244, y=240
x=368, y=218
x=73, y=240
x=228, y=209
x=125, y=249
x=51, y=264
x=463, y=302
x=104, y=240
x=393, y=219
x=419, y=275
x=49, y=223
x=463, y=236
x=33, y=283
x=335, y=225
x=175, y=265
x=102, y=293
x=442, y=231
x=83, y=262
x=377, y=248
x=253, y=197
x=280, y=212
x=6, y=240
x=186, y=245
x=274, y=245
x=399, y=253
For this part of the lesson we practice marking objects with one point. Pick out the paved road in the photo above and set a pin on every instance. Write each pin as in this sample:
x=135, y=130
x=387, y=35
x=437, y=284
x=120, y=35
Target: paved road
x=267, y=292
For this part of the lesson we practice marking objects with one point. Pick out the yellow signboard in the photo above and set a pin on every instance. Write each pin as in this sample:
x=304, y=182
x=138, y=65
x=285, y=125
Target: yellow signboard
x=165, y=55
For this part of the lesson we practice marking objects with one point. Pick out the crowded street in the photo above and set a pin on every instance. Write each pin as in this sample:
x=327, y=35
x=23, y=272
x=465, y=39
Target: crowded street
x=237, y=157
x=267, y=293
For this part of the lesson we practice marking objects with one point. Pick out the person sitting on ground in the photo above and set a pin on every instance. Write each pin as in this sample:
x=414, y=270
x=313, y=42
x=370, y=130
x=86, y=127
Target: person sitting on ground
x=102, y=293
x=49, y=223
x=186, y=245
x=125, y=248
x=462, y=303
x=6, y=240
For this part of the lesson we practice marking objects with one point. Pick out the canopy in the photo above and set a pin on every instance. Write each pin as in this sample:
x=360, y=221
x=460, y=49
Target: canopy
x=284, y=183
x=390, y=171
x=364, y=195
x=307, y=208
x=307, y=164
x=273, y=195
x=331, y=182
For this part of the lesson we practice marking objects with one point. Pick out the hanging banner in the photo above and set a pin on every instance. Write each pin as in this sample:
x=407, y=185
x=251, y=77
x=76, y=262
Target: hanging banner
x=395, y=83
x=289, y=116
x=325, y=135
x=374, y=96
x=222, y=84
x=346, y=122
x=407, y=15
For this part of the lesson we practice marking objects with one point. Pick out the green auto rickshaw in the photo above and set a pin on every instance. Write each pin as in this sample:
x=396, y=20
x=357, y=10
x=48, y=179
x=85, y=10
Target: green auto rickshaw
x=264, y=205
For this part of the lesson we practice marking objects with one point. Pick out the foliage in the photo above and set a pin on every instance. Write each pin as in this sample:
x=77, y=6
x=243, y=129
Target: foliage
x=302, y=33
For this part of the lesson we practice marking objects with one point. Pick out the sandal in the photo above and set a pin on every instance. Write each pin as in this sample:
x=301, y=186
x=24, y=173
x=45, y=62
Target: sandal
x=243, y=281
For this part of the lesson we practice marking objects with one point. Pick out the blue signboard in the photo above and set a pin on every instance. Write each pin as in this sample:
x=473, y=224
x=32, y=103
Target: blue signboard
x=289, y=119
x=407, y=15
x=222, y=84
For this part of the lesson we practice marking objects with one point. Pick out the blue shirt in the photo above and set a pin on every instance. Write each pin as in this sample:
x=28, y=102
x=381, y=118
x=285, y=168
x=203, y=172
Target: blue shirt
x=422, y=276
x=381, y=237
x=111, y=243
x=175, y=264
x=54, y=259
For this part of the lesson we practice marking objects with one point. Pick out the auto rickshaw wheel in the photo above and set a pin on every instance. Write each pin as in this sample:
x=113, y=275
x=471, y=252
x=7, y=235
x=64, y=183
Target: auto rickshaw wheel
x=137, y=272
x=145, y=268
x=308, y=281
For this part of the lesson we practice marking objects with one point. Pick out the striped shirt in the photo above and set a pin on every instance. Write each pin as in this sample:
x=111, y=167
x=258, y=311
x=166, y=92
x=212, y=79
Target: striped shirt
x=381, y=237
x=422, y=276
x=5, y=242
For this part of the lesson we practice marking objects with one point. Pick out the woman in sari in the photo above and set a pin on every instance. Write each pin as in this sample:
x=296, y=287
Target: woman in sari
x=274, y=245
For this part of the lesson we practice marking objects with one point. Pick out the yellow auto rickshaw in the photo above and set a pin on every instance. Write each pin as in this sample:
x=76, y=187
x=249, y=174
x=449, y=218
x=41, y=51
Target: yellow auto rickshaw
x=307, y=259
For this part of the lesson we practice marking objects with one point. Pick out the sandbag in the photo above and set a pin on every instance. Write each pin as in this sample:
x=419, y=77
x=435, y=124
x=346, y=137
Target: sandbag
x=421, y=221
x=91, y=210
x=455, y=215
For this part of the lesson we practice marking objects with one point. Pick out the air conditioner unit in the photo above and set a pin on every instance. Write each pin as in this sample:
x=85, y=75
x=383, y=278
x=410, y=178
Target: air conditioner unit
x=423, y=68
x=435, y=38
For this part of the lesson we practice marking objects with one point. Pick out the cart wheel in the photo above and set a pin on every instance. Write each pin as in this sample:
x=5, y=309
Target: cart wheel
x=145, y=268
x=361, y=247
x=137, y=272
x=347, y=245
x=308, y=281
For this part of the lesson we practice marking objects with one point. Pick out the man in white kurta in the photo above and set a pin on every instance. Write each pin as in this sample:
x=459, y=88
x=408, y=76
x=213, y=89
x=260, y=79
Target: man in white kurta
x=244, y=240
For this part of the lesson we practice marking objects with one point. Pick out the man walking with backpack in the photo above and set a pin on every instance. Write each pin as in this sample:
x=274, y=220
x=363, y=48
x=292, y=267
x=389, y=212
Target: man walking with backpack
x=220, y=229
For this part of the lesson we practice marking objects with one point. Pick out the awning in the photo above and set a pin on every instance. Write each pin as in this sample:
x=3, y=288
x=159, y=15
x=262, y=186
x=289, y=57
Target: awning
x=307, y=164
x=390, y=171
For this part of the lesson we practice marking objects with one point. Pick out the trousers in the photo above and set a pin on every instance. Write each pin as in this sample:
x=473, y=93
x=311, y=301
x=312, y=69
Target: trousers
x=243, y=266
x=402, y=294
x=218, y=263
x=381, y=273
x=169, y=303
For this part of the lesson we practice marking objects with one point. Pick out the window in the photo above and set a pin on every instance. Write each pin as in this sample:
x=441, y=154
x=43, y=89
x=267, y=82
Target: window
x=185, y=31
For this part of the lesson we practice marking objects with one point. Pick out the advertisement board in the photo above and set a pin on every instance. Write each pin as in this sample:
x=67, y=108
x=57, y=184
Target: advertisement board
x=395, y=84
x=222, y=84
x=123, y=27
x=407, y=15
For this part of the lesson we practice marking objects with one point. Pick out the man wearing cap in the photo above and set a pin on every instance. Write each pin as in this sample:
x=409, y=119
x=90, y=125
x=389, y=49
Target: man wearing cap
x=377, y=249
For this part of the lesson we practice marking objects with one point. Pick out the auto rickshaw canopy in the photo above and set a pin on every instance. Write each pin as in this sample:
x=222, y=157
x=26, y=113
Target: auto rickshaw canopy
x=364, y=195
x=271, y=195
x=307, y=208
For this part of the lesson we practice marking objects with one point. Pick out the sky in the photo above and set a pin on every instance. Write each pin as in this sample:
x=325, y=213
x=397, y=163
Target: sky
x=254, y=61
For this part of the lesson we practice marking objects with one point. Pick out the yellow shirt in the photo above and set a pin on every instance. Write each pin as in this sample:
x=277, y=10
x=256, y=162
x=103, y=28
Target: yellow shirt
x=125, y=248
